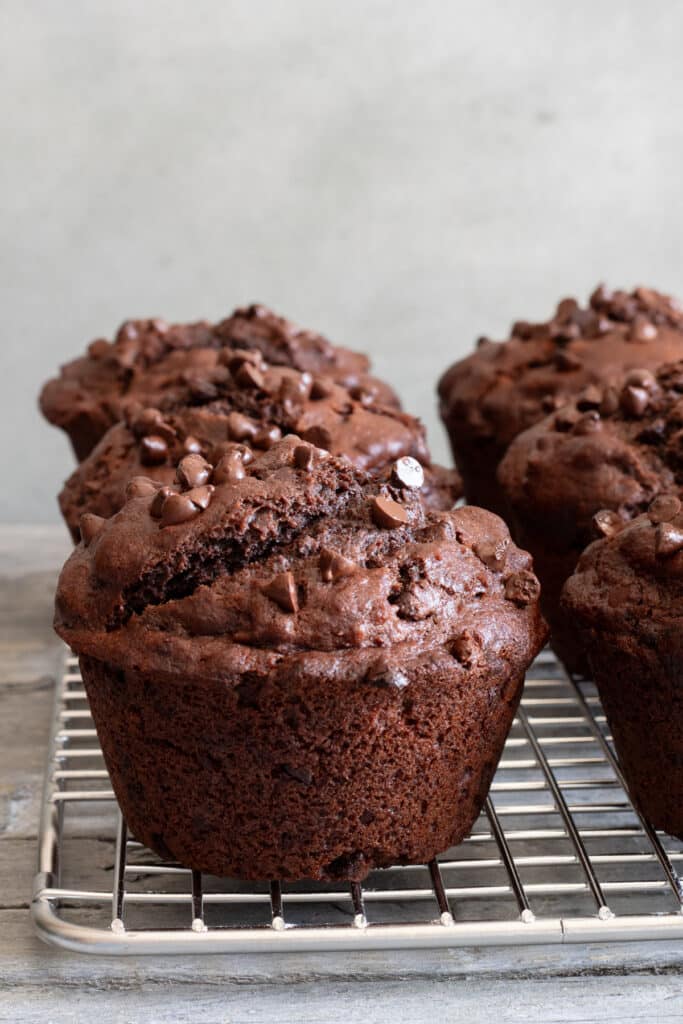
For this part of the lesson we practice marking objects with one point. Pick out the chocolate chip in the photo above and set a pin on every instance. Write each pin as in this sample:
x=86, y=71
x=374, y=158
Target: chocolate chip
x=201, y=496
x=567, y=418
x=321, y=388
x=319, y=436
x=566, y=309
x=141, y=487
x=240, y=428
x=158, y=502
x=607, y=523
x=304, y=456
x=160, y=325
x=200, y=388
x=362, y=394
x=99, y=349
x=491, y=552
x=145, y=421
x=193, y=471
x=178, y=508
x=248, y=376
x=466, y=647
x=590, y=398
x=664, y=508
x=267, y=437
x=382, y=673
x=642, y=379
x=128, y=331
x=282, y=590
x=588, y=424
x=522, y=588
x=153, y=450
x=668, y=540
x=610, y=402
x=642, y=329
x=90, y=526
x=387, y=513
x=550, y=402
x=230, y=469
x=566, y=362
x=634, y=400
x=191, y=445
x=407, y=472
x=522, y=329
x=334, y=566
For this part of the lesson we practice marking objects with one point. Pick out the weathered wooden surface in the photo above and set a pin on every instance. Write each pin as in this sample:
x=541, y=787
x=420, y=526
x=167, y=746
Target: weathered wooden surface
x=622, y=982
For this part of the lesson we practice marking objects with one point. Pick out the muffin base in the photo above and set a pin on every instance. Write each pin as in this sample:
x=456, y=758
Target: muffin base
x=642, y=693
x=300, y=777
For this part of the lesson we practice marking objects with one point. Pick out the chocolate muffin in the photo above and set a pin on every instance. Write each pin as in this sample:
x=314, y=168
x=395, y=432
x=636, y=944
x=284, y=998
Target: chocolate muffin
x=152, y=363
x=505, y=387
x=612, y=448
x=298, y=671
x=627, y=598
x=251, y=404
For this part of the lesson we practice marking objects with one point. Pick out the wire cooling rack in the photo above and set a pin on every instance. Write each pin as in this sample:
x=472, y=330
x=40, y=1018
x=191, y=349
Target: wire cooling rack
x=558, y=854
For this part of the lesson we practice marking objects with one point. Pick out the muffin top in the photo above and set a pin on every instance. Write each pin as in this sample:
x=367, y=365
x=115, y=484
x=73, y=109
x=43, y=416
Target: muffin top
x=612, y=447
x=631, y=581
x=250, y=404
x=154, y=363
x=295, y=555
x=506, y=387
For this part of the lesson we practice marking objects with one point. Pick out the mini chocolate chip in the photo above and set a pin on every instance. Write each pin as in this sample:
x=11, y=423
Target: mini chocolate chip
x=634, y=400
x=153, y=450
x=387, y=513
x=588, y=424
x=590, y=398
x=229, y=470
x=191, y=445
x=282, y=590
x=193, y=471
x=304, y=456
x=158, y=501
x=141, y=487
x=90, y=526
x=267, y=437
x=248, y=376
x=321, y=388
x=522, y=587
x=664, y=508
x=567, y=362
x=319, y=436
x=178, y=508
x=642, y=329
x=334, y=566
x=668, y=540
x=610, y=402
x=201, y=496
x=407, y=472
x=240, y=428
x=607, y=523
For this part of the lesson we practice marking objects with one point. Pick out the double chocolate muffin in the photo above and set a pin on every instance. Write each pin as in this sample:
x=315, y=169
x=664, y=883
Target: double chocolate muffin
x=250, y=405
x=152, y=363
x=505, y=387
x=613, y=449
x=296, y=670
x=627, y=598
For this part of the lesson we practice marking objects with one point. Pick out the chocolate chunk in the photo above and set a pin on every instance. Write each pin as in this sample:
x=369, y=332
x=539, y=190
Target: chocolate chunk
x=634, y=400
x=321, y=388
x=90, y=526
x=249, y=376
x=407, y=472
x=304, y=456
x=141, y=487
x=491, y=552
x=334, y=566
x=387, y=513
x=240, y=428
x=191, y=445
x=178, y=508
x=668, y=540
x=153, y=450
x=193, y=471
x=466, y=647
x=282, y=590
x=642, y=329
x=522, y=587
x=606, y=522
x=267, y=437
x=158, y=502
x=229, y=470
x=664, y=508
x=319, y=436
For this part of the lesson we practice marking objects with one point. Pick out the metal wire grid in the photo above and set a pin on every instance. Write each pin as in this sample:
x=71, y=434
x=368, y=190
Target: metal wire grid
x=559, y=854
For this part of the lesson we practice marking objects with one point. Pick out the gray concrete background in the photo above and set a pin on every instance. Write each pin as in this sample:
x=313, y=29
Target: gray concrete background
x=402, y=176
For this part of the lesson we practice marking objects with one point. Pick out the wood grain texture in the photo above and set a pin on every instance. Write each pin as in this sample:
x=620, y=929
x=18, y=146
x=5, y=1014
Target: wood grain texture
x=621, y=982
